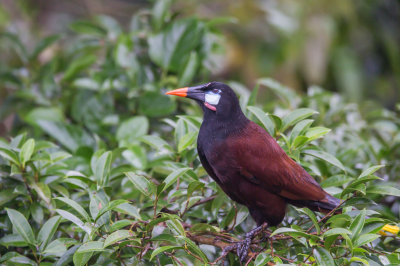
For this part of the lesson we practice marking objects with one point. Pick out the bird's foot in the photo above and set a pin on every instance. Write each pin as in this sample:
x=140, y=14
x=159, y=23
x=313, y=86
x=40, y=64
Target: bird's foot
x=242, y=247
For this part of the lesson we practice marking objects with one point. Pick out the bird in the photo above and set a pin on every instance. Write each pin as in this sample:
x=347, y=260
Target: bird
x=248, y=164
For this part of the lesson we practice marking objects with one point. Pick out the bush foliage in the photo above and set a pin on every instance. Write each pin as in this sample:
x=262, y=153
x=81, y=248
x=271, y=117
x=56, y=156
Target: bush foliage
x=103, y=168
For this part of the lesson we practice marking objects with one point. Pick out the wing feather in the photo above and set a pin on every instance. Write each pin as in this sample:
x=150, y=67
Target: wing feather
x=262, y=161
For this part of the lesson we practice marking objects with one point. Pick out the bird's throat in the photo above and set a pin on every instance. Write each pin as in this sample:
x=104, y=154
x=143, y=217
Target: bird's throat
x=211, y=107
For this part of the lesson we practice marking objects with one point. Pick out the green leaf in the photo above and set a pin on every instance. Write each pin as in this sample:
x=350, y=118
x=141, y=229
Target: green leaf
x=365, y=239
x=21, y=225
x=284, y=230
x=13, y=240
x=60, y=132
x=136, y=156
x=264, y=119
x=200, y=227
x=120, y=224
x=217, y=203
x=91, y=247
x=8, y=256
x=357, y=225
x=370, y=171
x=67, y=256
x=362, y=180
x=47, y=232
x=189, y=71
x=43, y=191
x=133, y=128
x=21, y=260
x=7, y=195
x=295, y=117
x=128, y=209
x=171, y=178
x=186, y=141
x=9, y=155
x=102, y=168
x=299, y=129
x=160, y=12
x=242, y=213
x=310, y=214
x=117, y=236
x=42, y=145
x=78, y=65
x=60, y=245
x=81, y=258
x=190, y=202
x=285, y=93
x=69, y=216
x=336, y=181
x=262, y=259
x=336, y=231
x=154, y=141
x=174, y=224
x=316, y=132
x=164, y=237
x=87, y=27
x=350, y=189
x=43, y=44
x=194, y=186
x=358, y=201
x=154, y=104
x=299, y=141
x=384, y=190
x=172, y=46
x=26, y=151
x=196, y=249
x=16, y=45
x=140, y=182
x=76, y=207
x=356, y=259
x=323, y=257
x=325, y=156
x=162, y=249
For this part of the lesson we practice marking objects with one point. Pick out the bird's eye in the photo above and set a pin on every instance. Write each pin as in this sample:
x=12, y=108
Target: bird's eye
x=215, y=90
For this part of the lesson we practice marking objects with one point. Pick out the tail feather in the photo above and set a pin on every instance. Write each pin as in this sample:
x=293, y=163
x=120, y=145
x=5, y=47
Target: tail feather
x=325, y=205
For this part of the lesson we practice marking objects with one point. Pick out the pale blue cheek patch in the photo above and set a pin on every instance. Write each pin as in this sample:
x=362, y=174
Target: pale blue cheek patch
x=212, y=98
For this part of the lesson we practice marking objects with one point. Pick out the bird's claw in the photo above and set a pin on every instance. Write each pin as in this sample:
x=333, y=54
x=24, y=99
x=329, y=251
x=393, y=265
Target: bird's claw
x=242, y=247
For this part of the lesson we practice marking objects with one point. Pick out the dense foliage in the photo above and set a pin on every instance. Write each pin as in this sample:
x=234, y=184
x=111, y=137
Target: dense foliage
x=103, y=168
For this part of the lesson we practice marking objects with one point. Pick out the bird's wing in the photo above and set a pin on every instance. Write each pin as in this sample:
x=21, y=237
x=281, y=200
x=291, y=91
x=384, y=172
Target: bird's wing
x=262, y=161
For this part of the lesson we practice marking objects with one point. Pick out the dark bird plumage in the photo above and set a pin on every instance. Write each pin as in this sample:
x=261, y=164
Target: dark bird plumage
x=247, y=163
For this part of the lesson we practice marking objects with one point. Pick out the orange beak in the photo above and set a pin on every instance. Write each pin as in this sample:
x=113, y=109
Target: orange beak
x=182, y=92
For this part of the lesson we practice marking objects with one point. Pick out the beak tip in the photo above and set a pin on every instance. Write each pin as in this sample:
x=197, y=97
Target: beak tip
x=179, y=92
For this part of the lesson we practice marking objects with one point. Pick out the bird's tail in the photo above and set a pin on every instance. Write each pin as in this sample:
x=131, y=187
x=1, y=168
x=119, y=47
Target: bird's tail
x=325, y=205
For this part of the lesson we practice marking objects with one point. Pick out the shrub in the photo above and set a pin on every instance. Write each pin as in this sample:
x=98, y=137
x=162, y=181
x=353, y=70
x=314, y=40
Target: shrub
x=103, y=168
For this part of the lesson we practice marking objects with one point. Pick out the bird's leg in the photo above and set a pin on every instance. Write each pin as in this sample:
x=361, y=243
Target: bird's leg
x=243, y=246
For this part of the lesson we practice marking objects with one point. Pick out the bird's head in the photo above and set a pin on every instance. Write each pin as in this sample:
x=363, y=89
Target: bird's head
x=216, y=97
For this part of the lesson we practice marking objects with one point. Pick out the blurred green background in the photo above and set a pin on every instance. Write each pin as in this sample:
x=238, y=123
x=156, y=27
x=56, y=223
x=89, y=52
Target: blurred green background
x=86, y=80
x=346, y=45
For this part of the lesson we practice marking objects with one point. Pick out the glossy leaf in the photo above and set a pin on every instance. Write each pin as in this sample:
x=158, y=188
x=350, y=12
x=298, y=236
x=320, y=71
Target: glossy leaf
x=47, y=232
x=264, y=119
x=26, y=151
x=21, y=225
x=357, y=225
x=323, y=257
x=325, y=156
x=296, y=116
x=140, y=183
x=117, y=236
x=76, y=207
